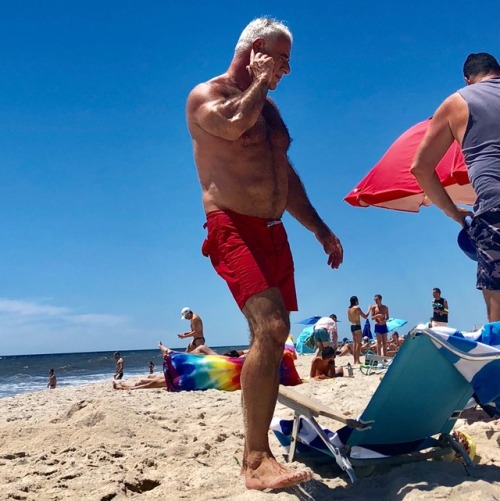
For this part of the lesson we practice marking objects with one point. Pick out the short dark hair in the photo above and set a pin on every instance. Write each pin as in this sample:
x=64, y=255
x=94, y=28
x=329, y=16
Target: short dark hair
x=232, y=354
x=327, y=352
x=354, y=301
x=437, y=289
x=333, y=316
x=481, y=63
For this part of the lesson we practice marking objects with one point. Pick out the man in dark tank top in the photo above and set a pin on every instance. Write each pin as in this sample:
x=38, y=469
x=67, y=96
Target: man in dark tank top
x=471, y=116
x=439, y=308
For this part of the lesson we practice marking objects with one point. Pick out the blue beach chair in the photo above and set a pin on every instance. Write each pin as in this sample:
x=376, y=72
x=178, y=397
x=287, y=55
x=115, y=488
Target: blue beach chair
x=411, y=414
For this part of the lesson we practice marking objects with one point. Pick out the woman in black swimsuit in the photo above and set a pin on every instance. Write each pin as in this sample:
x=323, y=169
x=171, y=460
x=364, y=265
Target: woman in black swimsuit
x=354, y=314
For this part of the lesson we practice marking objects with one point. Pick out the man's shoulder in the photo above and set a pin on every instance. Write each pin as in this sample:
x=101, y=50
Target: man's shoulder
x=220, y=84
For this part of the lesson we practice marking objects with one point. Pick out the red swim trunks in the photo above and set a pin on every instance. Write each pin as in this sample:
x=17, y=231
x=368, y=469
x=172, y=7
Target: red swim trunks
x=251, y=254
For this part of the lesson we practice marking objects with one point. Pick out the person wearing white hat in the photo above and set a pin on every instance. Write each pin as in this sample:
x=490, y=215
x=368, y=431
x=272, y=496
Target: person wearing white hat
x=196, y=331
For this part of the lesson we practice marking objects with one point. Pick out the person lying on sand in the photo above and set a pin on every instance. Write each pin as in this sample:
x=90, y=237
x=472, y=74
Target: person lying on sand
x=235, y=353
x=347, y=348
x=199, y=350
x=323, y=367
x=158, y=380
x=152, y=382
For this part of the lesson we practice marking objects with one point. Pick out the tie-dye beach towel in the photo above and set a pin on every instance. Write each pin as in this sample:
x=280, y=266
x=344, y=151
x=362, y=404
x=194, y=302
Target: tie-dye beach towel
x=188, y=372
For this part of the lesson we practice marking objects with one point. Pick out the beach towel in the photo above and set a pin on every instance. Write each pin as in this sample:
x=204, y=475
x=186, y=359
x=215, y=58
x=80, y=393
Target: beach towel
x=188, y=372
x=367, y=331
x=483, y=346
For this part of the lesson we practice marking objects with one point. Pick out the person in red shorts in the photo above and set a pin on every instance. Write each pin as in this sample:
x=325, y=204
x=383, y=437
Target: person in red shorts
x=240, y=146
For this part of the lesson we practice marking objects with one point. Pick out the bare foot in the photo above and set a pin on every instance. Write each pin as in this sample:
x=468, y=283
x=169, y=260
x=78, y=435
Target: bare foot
x=164, y=350
x=270, y=474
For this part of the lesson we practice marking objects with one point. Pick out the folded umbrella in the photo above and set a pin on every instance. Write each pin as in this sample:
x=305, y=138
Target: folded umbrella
x=391, y=185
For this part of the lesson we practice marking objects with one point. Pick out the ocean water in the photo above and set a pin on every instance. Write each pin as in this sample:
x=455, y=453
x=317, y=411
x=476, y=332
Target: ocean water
x=28, y=373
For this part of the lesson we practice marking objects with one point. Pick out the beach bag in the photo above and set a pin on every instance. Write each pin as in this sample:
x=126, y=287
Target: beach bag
x=310, y=342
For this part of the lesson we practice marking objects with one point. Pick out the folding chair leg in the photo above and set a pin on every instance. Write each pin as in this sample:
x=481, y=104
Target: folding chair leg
x=340, y=457
x=457, y=447
x=295, y=434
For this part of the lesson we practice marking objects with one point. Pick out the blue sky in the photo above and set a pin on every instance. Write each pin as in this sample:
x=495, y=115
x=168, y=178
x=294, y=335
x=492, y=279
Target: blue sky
x=100, y=211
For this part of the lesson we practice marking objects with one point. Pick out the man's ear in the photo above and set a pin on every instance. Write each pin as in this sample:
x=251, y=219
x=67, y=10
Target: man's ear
x=258, y=45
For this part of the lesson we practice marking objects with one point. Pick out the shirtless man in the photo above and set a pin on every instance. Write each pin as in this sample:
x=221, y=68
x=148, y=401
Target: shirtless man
x=380, y=315
x=354, y=314
x=240, y=148
x=119, y=366
x=196, y=331
x=394, y=344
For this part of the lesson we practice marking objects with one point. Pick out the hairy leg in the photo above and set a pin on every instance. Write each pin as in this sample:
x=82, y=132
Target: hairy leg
x=269, y=326
x=492, y=299
x=384, y=345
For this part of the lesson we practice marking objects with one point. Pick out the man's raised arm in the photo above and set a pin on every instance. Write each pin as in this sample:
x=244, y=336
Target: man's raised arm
x=229, y=117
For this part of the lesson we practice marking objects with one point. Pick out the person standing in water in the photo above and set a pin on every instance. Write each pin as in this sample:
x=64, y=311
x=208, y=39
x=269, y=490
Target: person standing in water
x=52, y=380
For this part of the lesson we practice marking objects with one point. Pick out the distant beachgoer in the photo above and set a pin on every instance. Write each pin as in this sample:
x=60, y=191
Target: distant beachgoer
x=324, y=330
x=354, y=314
x=151, y=367
x=323, y=367
x=119, y=366
x=52, y=380
x=439, y=308
x=334, y=335
x=380, y=315
x=196, y=331
x=394, y=344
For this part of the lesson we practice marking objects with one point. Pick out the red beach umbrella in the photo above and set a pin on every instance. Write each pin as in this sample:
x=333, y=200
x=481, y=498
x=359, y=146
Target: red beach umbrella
x=390, y=184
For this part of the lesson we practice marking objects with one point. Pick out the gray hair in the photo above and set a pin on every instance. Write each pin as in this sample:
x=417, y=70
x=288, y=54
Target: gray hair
x=263, y=27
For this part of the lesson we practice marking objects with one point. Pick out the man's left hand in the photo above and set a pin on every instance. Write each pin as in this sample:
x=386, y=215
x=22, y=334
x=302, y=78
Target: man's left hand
x=333, y=247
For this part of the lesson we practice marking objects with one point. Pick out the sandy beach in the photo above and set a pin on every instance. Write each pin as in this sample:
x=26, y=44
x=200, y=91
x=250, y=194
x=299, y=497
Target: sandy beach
x=96, y=443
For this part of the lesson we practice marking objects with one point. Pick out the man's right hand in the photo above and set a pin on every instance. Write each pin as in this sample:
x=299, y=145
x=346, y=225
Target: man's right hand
x=261, y=67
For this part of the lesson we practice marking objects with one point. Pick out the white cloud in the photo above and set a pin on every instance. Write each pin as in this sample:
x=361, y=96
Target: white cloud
x=96, y=319
x=33, y=327
x=28, y=308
